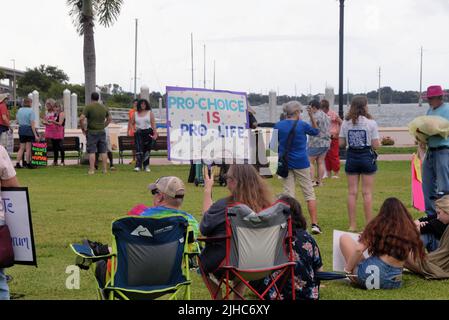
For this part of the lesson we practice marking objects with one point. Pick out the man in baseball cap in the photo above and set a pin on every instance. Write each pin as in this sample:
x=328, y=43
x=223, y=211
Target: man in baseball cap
x=436, y=163
x=173, y=187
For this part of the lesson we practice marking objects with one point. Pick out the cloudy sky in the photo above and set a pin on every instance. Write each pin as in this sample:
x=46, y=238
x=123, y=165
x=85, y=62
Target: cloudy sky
x=258, y=45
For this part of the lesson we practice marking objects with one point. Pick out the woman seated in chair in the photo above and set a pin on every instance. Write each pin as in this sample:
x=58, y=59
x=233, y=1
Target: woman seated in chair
x=246, y=187
x=307, y=256
x=389, y=238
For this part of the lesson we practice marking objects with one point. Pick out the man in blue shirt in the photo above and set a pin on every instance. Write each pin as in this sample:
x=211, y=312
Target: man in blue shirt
x=298, y=160
x=436, y=163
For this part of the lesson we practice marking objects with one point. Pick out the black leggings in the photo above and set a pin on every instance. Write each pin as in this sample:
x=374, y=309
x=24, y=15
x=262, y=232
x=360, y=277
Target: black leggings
x=58, y=147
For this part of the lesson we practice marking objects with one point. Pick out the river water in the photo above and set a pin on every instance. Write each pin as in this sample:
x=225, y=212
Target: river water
x=387, y=115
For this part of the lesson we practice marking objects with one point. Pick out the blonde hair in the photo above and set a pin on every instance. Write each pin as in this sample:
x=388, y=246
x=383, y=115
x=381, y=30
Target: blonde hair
x=443, y=204
x=251, y=189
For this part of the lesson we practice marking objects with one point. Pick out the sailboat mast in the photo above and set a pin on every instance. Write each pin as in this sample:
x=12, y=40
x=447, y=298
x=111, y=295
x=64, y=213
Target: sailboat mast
x=420, y=79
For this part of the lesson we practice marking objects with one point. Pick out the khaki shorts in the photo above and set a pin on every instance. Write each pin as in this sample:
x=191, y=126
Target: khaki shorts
x=302, y=177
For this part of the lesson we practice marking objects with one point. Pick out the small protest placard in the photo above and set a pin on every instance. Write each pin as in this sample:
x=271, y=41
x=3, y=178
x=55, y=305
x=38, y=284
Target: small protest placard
x=39, y=154
x=338, y=261
x=16, y=205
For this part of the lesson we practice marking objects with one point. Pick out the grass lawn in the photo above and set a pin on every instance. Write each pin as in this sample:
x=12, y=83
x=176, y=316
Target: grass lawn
x=396, y=150
x=68, y=205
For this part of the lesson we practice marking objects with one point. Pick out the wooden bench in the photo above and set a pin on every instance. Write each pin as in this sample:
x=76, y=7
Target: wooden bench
x=70, y=144
x=126, y=143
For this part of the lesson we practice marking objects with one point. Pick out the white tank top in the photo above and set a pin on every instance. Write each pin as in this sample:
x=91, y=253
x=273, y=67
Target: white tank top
x=143, y=122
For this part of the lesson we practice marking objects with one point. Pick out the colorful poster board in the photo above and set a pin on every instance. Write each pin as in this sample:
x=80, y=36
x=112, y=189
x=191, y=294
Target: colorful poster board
x=16, y=204
x=39, y=154
x=207, y=125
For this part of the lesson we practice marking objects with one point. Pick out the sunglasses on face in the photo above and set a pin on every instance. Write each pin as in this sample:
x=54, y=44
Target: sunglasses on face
x=155, y=192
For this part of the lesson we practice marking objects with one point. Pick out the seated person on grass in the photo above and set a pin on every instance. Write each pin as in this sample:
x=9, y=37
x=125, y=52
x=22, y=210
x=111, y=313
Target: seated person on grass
x=433, y=227
x=168, y=196
x=389, y=238
x=307, y=256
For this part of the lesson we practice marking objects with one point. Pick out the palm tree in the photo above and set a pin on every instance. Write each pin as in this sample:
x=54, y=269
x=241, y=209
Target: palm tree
x=84, y=14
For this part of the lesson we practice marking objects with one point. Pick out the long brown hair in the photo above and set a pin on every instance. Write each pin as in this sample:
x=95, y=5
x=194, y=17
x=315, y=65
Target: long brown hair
x=298, y=220
x=358, y=108
x=251, y=189
x=393, y=233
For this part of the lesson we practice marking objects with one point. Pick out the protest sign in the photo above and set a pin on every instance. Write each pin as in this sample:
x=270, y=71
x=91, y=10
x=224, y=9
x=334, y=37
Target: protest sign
x=206, y=125
x=39, y=154
x=16, y=205
x=338, y=260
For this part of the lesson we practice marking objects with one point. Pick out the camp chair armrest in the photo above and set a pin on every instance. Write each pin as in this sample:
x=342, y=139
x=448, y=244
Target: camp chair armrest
x=212, y=239
x=86, y=255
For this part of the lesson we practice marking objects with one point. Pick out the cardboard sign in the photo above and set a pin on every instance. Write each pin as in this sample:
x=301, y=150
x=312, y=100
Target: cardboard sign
x=39, y=154
x=207, y=125
x=16, y=205
x=339, y=262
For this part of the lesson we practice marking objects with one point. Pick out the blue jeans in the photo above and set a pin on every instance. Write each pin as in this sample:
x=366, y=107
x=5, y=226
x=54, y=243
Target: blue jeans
x=374, y=273
x=4, y=289
x=430, y=242
x=435, y=177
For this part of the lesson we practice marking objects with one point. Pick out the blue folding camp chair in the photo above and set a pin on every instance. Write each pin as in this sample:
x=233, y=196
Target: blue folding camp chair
x=149, y=258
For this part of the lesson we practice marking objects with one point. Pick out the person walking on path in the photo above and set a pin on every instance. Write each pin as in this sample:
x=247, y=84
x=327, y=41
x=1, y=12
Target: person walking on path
x=5, y=118
x=145, y=134
x=132, y=129
x=332, y=159
x=318, y=145
x=361, y=134
x=27, y=133
x=298, y=162
x=58, y=139
x=435, y=167
x=98, y=118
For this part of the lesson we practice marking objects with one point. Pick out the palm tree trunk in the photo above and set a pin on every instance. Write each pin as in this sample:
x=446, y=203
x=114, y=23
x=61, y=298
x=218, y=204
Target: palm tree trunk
x=89, y=50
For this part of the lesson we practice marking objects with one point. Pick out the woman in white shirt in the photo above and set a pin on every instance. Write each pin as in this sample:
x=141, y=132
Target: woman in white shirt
x=359, y=132
x=145, y=124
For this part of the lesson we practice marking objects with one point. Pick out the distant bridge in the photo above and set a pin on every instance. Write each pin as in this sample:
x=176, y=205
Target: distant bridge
x=9, y=74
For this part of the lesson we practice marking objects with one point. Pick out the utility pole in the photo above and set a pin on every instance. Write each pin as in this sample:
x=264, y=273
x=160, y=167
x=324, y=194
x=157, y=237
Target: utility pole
x=420, y=79
x=341, y=55
x=379, y=102
x=204, y=66
x=214, y=74
x=14, y=82
x=135, y=63
x=347, y=94
x=191, y=45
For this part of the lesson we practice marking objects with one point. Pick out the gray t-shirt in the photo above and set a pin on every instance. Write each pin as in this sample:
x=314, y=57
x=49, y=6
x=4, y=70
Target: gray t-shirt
x=323, y=139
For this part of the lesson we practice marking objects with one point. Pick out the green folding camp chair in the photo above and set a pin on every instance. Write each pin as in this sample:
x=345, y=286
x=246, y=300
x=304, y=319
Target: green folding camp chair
x=149, y=258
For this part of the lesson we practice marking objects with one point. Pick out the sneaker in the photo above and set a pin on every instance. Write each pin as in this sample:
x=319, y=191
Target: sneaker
x=335, y=177
x=91, y=172
x=18, y=166
x=317, y=184
x=136, y=169
x=112, y=168
x=30, y=166
x=98, y=248
x=316, y=229
x=147, y=169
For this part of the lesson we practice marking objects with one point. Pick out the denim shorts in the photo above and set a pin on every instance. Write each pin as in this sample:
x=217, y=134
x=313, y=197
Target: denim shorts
x=96, y=142
x=373, y=273
x=361, y=162
x=431, y=243
x=316, y=152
